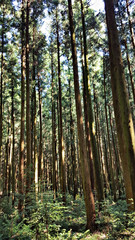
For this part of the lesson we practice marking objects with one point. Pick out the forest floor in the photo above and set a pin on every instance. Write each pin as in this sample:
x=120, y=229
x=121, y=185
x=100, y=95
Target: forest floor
x=54, y=221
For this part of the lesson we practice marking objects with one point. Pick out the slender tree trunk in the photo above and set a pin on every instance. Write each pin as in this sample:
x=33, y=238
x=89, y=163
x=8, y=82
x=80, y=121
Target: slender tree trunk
x=21, y=160
x=54, y=153
x=40, y=157
x=123, y=117
x=72, y=140
x=99, y=183
x=88, y=195
x=13, y=143
x=87, y=129
x=35, y=163
x=28, y=122
x=112, y=184
x=5, y=183
x=61, y=143
x=35, y=145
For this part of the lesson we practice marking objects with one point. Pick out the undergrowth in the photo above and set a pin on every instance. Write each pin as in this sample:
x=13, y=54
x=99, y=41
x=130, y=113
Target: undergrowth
x=53, y=221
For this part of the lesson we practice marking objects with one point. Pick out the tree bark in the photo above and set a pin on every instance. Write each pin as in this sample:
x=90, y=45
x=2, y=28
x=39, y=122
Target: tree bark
x=98, y=182
x=123, y=117
x=88, y=195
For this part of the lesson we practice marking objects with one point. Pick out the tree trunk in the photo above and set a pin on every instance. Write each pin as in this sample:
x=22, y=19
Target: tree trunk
x=13, y=142
x=72, y=140
x=21, y=159
x=112, y=183
x=28, y=122
x=87, y=129
x=54, y=153
x=61, y=143
x=123, y=117
x=88, y=195
x=99, y=185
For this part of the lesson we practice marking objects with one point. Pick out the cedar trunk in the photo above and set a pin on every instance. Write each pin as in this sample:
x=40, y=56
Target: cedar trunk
x=123, y=117
x=88, y=195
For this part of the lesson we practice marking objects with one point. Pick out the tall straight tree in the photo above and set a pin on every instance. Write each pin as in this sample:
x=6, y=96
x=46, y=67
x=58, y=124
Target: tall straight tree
x=87, y=129
x=28, y=124
x=99, y=183
x=123, y=117
x=54, y=153
x=21, y=160
x=13, y=141
x=88, y=195
x=61, y=142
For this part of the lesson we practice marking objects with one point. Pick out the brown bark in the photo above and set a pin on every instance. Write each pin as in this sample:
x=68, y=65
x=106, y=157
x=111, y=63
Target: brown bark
x=112, y=183
x=98, y=182
x=88, y=195
x=72, y=140
x=123, y=117
x=87, y=129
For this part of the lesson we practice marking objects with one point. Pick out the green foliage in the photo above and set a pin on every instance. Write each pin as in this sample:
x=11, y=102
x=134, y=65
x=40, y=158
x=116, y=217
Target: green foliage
x=116, y=219
x=52, y=220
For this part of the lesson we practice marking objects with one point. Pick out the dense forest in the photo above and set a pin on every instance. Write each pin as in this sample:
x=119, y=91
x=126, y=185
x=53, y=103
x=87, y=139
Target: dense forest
x=67, y=115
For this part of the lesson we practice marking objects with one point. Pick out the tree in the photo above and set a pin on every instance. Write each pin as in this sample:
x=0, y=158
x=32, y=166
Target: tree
x=123, y=117
x=28, y=123
x=88, y=195
x=99, y=185
x=61, y=139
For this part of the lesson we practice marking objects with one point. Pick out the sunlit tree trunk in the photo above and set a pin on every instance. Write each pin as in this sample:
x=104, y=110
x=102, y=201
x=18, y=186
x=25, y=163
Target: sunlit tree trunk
x=40, y=157
x=123, y=117
x=88, y=195
x=35, y=145
x=61, y=143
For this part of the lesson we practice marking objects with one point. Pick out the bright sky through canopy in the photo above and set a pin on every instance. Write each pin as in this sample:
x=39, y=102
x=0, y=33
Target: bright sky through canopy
x=97, y=5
